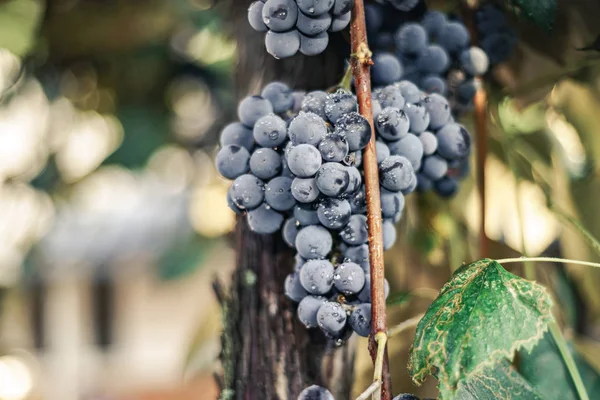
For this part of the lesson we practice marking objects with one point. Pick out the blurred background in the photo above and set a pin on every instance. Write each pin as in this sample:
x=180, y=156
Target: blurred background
x=113, y=220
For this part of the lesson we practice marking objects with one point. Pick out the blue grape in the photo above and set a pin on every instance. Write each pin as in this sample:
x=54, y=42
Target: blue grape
x=316, y=276
x=410, y=147
x=389, y=234
x=404, y=5
x=349, y=278
x=305, y=190
x=390, y=96
x=474, y=61
x=392, y=124
x=332, y=179
x=433, y=22
x=434, y=167
x=247, y=192
x=384, y=40
x=315, y=392
x=314, y=102
x=354, y=182
x=454, y=142
x=238, y=134
x=383, y=151
x=304, y=160
x=406, y=396
x=374, y=18
x=252, y=108
x=334, y=147
x=411, y=39
x=356, y=129
x=396, y=173
x=358, y=202
x=264, y=220
x=232, y=161
x=490, y=19
x=409, y=90
x=360, y=319
x=270, y=131
x=313, y=242
x=418, y=116
x=342, y=7
x=292, y=288
x=265, y=163
x=386, y=69
x=434, y=84
x=445, y=187
x=280, y=96
x=280, y=15
x=313, y=45
x=439, y=110
x=499, y=46
x=365, y=294
x=339, y=103
x=290, y=231
x=282, y=44
x=285, y=170
x=232, y=205
x=278, y=193
x=334, y=213
x=375, y=107
x=392, y=203
x=307, y=128
x=313, y=25
x=466, y=91
x=358, y=255
x=424, y=184
x=411, y=187
x=331, y=318
x=453, y=37
x=353, y=159
x=315, y=7
x=340, y=22
x=306, y=214
x=308, y=309
x=429, y=142
x=355, y=232
x=298, y=262
x=255, y=16
x=433, y=60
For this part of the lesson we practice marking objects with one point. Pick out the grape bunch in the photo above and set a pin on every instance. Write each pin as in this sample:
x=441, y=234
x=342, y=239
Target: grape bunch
x=497, y=39
x=298, y=25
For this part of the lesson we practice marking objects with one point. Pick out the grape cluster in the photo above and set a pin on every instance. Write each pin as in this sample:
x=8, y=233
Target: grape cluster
x=298, y=25
x=497, y=39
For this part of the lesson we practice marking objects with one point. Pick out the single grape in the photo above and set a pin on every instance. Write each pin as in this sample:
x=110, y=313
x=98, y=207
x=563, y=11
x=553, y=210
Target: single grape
x=334, y=147
x=358, y=202
x=255, y=16
x=332, y=179
x=373, y=18
x=453, y=37
x=264, y=220
x=406, y=396
x=298, y=96
x=290, y=231
x=474, y=61
x=499, y=46
x=409, y=91
x=365, y=294
x=411, y=39
x=340, y=22
x=265, y=163
x=280, y=15
x=389, y=234
x=392, y=203
x=349, y=278
x=384, y=40
x=439, y=110
x=404, y=5
x=316, y=276
x=304, y=160
x=313, y=242
x=307, y=128
x=334, y=213
x=299, y=261
x=411, y=187
x=434, y=167
x=355, y=232
x=280, y=96
x=313, y=25
x=282, y=44
x=356, y=129
x=315, y=7
x=383, y=151
x=418, y=116
x=424, y=184
x=396, y=173
x=305, y=190
x=247, y=192
x=308, y=309
x=429, y=142
x=390, y=96
x=314, y=102
x=454, y=141
x=433, y=60
x=306, y=214
x=386, y=69
x=433, y=22
x=354, y=182
x=293, y=289
x=278, y=194
x=410, y=147
x=285, y=170
x=252, y=108
x=313, y=45
x=331, y=318
x=315, y=392
x=445, y=187
x=466, y=91
x=353, y=159
x=339, y=103
x=358, y=255
x=342, y=7
x=238, y=134
x=232, y=205
x=232, y=161
x=360, y=319
x=270, y=131
x=392, y=124
x=434, y=84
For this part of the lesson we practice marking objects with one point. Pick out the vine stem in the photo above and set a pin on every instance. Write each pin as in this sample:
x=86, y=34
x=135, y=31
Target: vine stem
x=547, y=259
x=369, y=391
x=361, y=63
x=404, y=325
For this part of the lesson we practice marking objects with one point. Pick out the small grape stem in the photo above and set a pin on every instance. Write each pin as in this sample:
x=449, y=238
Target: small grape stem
x=405, y=325
x=381, y=339
x=361, y=62
x=547, y=259
x=369, y=391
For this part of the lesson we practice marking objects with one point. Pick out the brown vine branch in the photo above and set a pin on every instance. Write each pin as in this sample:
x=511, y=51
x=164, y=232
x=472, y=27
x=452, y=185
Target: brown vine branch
x=361, y=62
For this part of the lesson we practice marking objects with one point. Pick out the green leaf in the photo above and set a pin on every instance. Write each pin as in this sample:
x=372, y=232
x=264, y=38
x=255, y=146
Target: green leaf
x=481, y=316
x=545, y=370
x=542, y=12
x=396, y=299
x=500, y=381
x=19, y=21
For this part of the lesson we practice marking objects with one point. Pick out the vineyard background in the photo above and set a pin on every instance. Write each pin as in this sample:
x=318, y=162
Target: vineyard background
x=113, y=224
